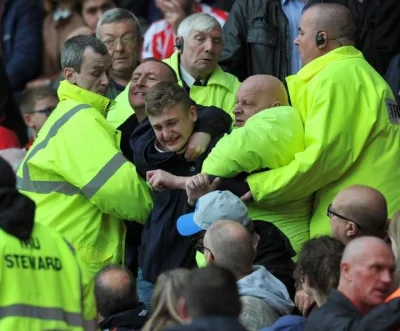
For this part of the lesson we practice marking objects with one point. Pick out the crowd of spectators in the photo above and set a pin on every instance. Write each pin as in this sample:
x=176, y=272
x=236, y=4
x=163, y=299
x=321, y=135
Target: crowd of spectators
x=200, y=165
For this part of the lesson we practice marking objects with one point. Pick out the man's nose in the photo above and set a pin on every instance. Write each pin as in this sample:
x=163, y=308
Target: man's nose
x=105, y=79
x=386, y=277
x=237, y=110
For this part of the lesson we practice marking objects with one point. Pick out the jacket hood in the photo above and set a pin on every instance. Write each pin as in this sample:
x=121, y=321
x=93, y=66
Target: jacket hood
x=263, y=285
x=133, y=318
x=17, y=211
x=67, y=90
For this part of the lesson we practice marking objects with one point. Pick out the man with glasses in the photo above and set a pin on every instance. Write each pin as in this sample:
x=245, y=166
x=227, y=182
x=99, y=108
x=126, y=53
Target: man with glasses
x=224, y=205
x=120, y=31
x=36, y=106
x=358, y=211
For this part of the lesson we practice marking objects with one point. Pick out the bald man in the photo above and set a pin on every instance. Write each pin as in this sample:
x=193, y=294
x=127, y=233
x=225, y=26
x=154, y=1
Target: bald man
x=117, y=300
x=358, y=211
x=257, y=93
x=268, y=135
x=351, y=122
x=366, y=278
x=264, y=297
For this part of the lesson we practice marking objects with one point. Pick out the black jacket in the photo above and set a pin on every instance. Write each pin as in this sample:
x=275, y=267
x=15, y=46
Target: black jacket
x=393, y=77
x=256, y=40
x=338, y=313
x=10, y=116
x=212, y=323
x=162, y=247
x=129, y=320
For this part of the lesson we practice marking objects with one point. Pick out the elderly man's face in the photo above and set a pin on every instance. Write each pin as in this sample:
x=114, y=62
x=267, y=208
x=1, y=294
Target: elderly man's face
x=123, y=43
x=372, y=276
x=94, y=74
x=201, y=52
x=145, y=76
x=249, y=101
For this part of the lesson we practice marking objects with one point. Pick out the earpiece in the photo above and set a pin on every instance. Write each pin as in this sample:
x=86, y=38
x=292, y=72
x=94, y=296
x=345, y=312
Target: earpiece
x=319, y=39
x=179, y=44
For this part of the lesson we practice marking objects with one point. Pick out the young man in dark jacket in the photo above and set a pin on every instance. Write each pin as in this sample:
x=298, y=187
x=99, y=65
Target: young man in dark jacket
x=159, y=146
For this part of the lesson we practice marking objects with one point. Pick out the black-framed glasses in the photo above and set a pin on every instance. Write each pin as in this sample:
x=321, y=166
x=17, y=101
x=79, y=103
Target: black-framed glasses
x=330, y=212
x=196, y=241
x=46, y=111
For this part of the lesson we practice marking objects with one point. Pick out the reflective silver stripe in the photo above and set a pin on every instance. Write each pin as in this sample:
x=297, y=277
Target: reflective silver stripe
x=45, y=187
x=50, y=314
x=27, y=184
x=104, y=174
x=52, y=132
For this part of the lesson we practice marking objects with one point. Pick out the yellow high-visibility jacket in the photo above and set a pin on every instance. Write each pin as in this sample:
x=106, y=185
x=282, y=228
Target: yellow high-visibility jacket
x=121, y=109
x=220, y=90
x=43, y=284
x=270, y=139
x=81, y=183
x=352, y=136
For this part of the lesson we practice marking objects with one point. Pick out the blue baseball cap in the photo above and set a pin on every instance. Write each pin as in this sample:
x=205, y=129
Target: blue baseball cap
x=212, y=207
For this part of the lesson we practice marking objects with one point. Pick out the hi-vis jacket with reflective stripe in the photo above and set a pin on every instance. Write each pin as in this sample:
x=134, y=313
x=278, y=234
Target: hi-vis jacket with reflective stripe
x=43, y=284
x=220, y=90
x=270, y=139
x=82, y=185
x=352, y=136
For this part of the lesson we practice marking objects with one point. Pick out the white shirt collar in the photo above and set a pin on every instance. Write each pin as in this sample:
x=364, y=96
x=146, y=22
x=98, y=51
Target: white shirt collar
x=188, y=78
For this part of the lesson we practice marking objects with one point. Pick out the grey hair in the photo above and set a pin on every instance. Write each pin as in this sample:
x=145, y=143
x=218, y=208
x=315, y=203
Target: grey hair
x=198, y=22
x=73, y=49
x=117, y=15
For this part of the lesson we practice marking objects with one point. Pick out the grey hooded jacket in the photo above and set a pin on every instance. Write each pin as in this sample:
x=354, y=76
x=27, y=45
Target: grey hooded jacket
x=264, y=299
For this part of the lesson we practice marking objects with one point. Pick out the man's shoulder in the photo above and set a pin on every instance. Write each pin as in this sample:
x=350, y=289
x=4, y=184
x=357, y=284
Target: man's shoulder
x=223, y=78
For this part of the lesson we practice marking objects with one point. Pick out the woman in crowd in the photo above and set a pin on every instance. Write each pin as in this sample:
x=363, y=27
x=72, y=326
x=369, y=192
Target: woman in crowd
x=318, y=271
x=167, y=293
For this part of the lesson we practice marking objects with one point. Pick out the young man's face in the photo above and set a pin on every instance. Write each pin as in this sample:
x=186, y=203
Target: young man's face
x=173, y=127
x=201, y=52
x=93, y=9
x=94, y=75
x=39, y=115
x=123, y=43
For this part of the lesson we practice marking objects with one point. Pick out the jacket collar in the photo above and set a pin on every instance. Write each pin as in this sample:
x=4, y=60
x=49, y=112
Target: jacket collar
x=340, y=299
x=133, y=318
x=70, y=91
x=216, y=78
x=338, y=54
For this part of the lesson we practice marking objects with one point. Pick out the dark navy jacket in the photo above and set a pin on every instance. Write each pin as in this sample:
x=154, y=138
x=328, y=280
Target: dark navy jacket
x=163, y=248
x=21, y=41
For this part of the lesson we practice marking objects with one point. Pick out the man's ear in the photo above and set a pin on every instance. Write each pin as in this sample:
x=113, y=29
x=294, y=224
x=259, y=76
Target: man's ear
x=27, y=120
x=351, y=230
x=182, y=310
x=193, y=113
x=69, y=75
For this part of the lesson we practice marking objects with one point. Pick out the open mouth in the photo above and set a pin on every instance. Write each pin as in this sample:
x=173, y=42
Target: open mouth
x=171, y=141
x=142, y=94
